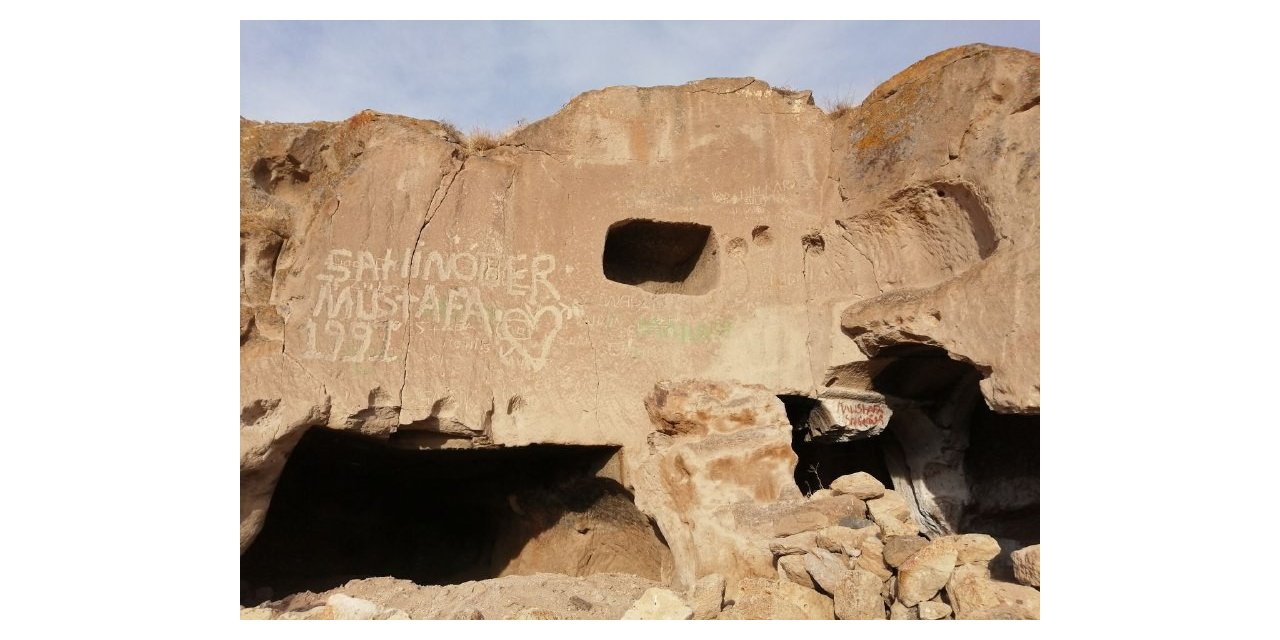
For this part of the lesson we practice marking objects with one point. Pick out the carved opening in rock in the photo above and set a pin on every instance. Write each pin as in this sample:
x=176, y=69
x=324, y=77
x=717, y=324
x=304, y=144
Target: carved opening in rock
x=662, y=257
x=968, y=469
x=269, y=172
x=820, y=462
x=349, y=506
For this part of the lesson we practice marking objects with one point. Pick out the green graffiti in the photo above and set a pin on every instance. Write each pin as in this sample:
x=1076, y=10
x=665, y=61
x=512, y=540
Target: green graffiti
x=681, y=330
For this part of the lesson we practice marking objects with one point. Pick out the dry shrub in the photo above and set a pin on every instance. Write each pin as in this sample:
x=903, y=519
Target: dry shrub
x=838, y=108
x=481, y=140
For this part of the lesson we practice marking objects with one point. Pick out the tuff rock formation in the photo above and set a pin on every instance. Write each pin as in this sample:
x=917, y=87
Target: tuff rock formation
x=610, y=365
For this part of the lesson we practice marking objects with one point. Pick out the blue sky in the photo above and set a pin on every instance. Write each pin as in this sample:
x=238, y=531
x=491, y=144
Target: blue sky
x=491, y=74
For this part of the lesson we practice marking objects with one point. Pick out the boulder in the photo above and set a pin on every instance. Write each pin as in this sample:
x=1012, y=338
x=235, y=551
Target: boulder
x=826, y=569
x=974, y=547
x=872, y=558
x=793, y=568
x=345, y=607
x=891, y=513
x=1026, y=565
x=975, y=596
x=861, y=485
x=898, y=548
x=845, y=540
x=926, y=572
x=899, y=611
x=933, y=610
x=796, y=544
x=857, y=597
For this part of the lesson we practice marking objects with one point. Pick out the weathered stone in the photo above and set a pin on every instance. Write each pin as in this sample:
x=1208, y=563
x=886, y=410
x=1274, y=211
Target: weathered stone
x=345, y=607
x=659, y=604
x=844, y=540
x=898, y=548
x=892, y=514
x=761, y=599
x=796, y=544
x=845, y=419
x=826, y=569
x=933, y=610
x=861, y=485
x=857, y=523
x=708, y=597
x=974, y=547
x=857, y=597
x=872, y=558
x=822, y=494
x=793, y=568
x=899, y=611
x=401, y=283
x=975, y=596
x=1026, y=565
x=926, y=572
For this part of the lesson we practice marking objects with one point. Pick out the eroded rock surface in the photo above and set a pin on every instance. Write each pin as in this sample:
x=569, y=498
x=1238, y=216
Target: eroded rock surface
x=651, y=269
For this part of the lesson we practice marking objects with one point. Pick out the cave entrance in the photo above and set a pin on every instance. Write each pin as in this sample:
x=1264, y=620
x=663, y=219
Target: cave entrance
x=349, y=506
x=981, y=468
x=662, y=257
x=819, y=462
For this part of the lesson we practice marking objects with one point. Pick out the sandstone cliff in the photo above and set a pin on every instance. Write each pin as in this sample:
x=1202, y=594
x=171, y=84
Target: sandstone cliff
x=650, y=269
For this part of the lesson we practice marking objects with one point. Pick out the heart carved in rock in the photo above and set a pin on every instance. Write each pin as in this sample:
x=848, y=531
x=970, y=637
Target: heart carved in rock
x=525, y=336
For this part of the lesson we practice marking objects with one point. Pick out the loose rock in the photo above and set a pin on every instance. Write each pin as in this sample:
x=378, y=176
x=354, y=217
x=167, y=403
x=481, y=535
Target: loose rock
x=975, y=596
x=857, y=597
x=926, y=572
x=827, y=571
x=1026, y=565
x=793, y=568
x=898, y=548
x=861, y=485
x=899, y=611
x=345, y=607
x=933, y=610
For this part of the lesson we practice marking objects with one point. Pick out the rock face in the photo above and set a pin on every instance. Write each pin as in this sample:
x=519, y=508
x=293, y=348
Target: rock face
x=1026, y=566
x=662, y=272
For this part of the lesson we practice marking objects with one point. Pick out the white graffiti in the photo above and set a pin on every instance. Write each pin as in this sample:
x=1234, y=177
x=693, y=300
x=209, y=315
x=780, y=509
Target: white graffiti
x=363, y=299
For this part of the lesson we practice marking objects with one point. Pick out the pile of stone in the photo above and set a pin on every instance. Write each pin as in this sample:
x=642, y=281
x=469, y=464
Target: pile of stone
x=881, y=567
x=873, y=568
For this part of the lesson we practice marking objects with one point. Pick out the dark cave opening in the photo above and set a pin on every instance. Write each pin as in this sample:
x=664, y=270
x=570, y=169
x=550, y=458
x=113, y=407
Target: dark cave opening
x=348, y=506
x=937, y=402
x=1003, y=467
x=662, y=257
x=820, y=462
